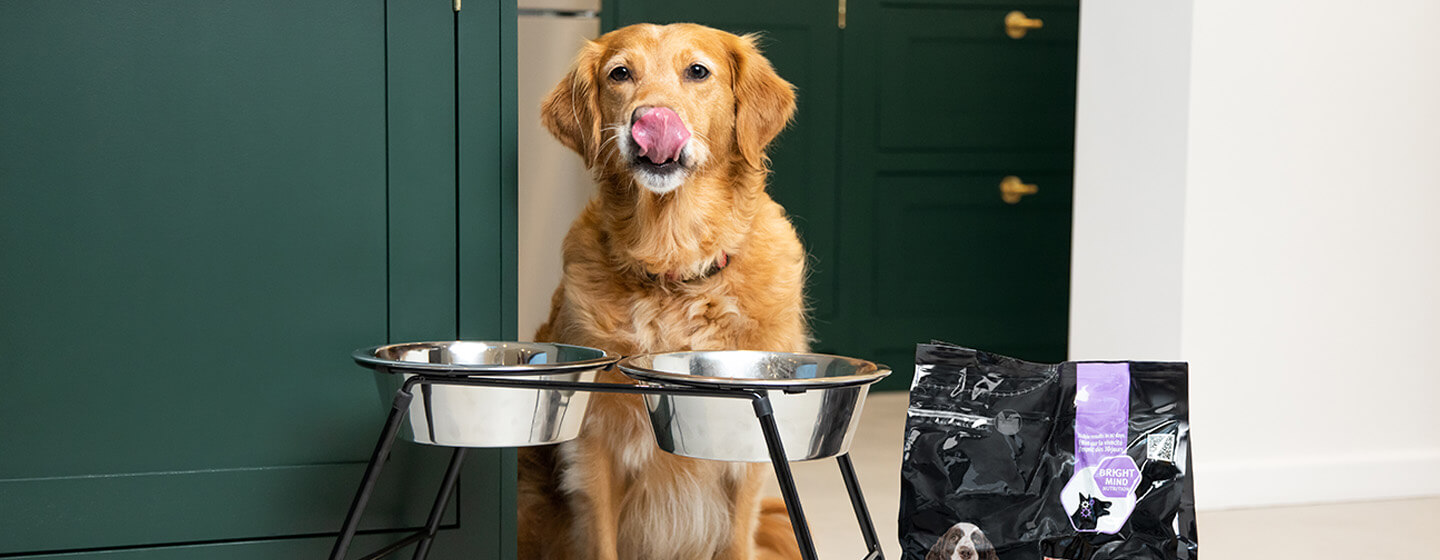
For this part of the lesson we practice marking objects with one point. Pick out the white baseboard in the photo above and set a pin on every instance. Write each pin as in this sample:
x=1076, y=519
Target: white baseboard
x=1308, y=480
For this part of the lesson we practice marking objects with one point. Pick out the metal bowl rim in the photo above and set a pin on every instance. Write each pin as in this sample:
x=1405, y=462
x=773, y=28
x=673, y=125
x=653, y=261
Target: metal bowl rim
x=366, y=357
x=646, y=374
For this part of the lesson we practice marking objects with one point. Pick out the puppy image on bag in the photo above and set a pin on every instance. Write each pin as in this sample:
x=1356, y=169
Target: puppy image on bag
x=963, y=541
x=681, y=248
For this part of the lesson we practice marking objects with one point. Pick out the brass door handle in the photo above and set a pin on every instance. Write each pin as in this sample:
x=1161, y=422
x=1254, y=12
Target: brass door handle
x=1011, y=189
x=1017, y=25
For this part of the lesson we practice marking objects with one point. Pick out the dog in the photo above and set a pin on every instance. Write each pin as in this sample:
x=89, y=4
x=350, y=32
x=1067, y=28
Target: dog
x=963, y=541
x=681, y=248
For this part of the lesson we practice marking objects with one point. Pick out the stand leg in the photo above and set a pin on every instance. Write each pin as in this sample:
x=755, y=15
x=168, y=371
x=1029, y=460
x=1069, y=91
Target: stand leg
x=857, y=501
x=398, y=408
x=452, y=474
x=782, y=474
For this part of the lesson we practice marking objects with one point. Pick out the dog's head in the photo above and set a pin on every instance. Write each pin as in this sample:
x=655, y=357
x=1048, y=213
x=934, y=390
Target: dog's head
x=964, y=541
x=662, y=104
x=1091, y=509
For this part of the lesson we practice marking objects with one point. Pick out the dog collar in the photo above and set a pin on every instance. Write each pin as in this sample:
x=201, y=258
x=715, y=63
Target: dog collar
x=715, y=268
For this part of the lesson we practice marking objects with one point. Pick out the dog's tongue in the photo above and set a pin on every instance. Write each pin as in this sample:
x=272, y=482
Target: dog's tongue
x=660, y=135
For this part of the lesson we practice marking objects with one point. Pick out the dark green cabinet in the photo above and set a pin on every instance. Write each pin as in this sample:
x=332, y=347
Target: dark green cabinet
x=909, y=119
x=203, y=208
x=940, y=105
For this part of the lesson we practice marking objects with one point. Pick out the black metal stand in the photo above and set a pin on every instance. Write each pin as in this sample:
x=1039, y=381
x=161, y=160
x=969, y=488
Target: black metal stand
x=763, y=413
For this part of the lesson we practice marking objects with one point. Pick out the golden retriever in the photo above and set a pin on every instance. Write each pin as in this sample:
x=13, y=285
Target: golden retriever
x=680, y=249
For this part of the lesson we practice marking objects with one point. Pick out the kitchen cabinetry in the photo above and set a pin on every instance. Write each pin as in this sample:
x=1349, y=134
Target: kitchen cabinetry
x=204, y=207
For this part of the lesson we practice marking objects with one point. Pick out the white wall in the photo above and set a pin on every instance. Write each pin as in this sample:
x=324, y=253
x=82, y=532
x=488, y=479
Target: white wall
x=1310, y=259
x=1131, y=96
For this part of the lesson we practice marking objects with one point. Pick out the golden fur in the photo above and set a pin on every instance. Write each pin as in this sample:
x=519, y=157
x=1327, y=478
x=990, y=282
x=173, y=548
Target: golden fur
x=635, y=280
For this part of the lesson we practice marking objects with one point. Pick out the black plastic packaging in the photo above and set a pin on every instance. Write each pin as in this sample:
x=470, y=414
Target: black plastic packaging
x=990, y=460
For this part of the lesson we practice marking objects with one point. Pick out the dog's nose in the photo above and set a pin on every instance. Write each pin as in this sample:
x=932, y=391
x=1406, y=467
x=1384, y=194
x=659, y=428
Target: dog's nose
x=659, y=133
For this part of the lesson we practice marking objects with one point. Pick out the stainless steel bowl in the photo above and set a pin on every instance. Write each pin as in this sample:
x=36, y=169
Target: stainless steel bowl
x=817, y=400
x=459, y=416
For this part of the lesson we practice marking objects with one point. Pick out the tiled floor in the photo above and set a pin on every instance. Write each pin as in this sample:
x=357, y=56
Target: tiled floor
x=1370, y=530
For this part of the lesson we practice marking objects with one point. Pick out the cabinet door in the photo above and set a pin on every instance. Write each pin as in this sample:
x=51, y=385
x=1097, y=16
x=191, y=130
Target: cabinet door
x=204, y=207
x=940, y=105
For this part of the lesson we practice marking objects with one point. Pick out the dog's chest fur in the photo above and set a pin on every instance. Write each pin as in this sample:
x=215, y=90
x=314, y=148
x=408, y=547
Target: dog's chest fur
x=754, y=303
x=663, y=494
x=687, y=319
x=650, y=482
x=671, y=507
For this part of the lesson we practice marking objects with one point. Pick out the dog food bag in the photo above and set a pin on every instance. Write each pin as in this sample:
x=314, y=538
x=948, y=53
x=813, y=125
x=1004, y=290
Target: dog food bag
x=1012, y=460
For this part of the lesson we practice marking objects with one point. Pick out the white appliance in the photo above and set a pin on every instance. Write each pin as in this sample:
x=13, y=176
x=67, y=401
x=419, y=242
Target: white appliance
x=553, y=183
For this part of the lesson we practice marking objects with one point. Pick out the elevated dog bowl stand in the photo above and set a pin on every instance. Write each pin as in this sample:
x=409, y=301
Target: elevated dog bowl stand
x=758, y=398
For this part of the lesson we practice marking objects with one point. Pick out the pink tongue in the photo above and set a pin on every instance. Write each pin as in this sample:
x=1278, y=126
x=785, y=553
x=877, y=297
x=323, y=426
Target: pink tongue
x=660, y=135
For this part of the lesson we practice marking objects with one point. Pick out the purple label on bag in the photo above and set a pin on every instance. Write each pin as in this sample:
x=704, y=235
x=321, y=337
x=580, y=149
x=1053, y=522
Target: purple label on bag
x=1100, y=495
x=1102, y=412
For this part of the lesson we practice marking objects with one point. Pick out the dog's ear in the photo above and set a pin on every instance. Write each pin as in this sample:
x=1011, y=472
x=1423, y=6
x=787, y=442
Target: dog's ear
x=571, y=112
x=944, y=548
x=764, y=102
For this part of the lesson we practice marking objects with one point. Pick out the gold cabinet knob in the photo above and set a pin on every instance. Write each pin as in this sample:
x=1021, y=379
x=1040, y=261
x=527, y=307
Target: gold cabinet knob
x=1017, y=25
x=1011, y=189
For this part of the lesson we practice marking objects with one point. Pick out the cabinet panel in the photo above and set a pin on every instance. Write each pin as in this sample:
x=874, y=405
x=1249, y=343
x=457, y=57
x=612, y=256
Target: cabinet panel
x=147, y=509
x=205, y=208
x=299, y=548
x=950, y=79
x=946, y=228
x=195, y=236
x=1006, y=4
x=955, y=262
x=960, y=262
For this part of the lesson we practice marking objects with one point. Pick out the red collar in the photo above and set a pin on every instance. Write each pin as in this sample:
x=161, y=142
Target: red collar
x=715, y=268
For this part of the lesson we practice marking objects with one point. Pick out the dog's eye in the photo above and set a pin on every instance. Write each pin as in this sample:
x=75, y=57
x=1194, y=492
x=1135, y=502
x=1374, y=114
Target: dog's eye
x=697, y=72
x=620, y=74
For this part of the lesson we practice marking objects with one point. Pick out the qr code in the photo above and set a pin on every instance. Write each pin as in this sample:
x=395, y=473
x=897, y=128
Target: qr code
x=1160, y=447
